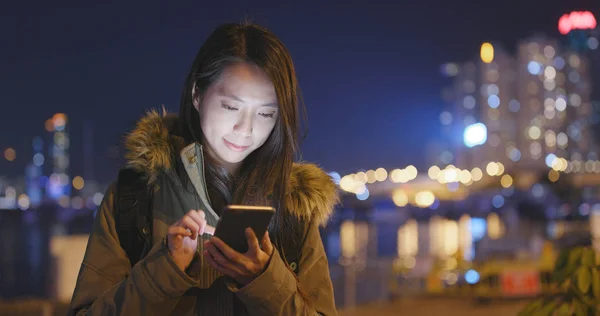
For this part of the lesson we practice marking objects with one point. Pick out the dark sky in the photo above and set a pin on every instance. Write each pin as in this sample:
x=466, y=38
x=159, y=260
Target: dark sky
x=369, y=70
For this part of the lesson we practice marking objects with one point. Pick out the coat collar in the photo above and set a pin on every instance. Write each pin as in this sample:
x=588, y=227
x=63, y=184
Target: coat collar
x=153, y=144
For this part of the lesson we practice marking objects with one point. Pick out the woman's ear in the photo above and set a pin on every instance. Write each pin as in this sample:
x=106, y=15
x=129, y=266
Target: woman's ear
x=195, y=98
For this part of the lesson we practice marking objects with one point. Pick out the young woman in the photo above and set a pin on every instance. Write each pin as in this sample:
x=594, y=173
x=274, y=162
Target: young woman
x=233, y=142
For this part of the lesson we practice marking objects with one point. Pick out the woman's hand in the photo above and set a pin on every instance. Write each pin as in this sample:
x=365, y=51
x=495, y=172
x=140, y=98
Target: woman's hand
x=182, y=237
x=243, y=268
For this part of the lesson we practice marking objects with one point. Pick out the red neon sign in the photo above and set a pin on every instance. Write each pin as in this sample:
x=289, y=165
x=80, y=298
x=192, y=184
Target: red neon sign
x=577, y=20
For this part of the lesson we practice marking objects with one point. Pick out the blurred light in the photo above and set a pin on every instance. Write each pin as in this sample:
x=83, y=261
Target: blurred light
x=347, y=183
x=574, y=61
x=487, y=53
x=536, y=150
x=399, y=176
x=493, y=101
x=476, y=174
x=49, y=126
x=23, y=202
x=537, y=190
x=38, y=159
x=549, y=84
x=534, y=132
x=78, y=183
x=10, y=154
x=549, y=52
x=559, y=63
x=469, y=102
x=575, y=99
x=534, y=68
x=492, y=89
x=495, y=226
x=360, y=188
x=400, y=198
x=64, y=201
x=77, y=203
x=371, y=178
x=424, y=198
x=471, y=276
x=450, y=69
x=550, y=160
x=446, y=118
x=335, y=177
x=498, y=201
x=506, y=181
x=592, y=43
x=576, y=20
x=381, y=174
x=98, y=198
x=550, y=73
x=433, y=172
x=492, y=168
x=475, y=135
x=411, y=172
x=515, y=154
x=465, y=176
x=514, y=106
x=553, y=175
x=59, y=120
x=363, y=195
x=560, y=104
x=361, y=177
x=574, y=76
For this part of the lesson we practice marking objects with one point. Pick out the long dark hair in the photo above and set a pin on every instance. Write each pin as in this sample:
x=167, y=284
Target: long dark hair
x=264, y=176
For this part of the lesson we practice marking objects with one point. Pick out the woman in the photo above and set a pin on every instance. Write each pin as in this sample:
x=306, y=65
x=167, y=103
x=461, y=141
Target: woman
x=233, y=142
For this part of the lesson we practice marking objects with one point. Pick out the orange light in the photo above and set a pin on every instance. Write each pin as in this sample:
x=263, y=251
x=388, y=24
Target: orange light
x=10, y=154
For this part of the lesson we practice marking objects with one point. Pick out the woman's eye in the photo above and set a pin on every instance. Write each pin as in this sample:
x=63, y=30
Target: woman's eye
x=267, y=115
x=227, y=107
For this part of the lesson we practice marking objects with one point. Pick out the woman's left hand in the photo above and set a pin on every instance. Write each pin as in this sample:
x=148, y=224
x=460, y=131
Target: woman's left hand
x=243, y=268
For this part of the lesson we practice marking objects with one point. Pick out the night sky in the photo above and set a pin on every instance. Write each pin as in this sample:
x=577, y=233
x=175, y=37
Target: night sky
x=369, y=70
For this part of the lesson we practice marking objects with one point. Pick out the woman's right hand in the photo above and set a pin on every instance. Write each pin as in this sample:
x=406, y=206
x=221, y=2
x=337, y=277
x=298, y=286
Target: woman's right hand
x=182, y=237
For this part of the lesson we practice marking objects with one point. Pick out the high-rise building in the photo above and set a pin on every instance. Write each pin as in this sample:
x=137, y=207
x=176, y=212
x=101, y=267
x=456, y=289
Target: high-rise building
x=529, y=108
x=59, y=185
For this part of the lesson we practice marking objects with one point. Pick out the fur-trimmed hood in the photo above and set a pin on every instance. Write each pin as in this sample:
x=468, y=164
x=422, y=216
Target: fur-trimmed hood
x=150, y=148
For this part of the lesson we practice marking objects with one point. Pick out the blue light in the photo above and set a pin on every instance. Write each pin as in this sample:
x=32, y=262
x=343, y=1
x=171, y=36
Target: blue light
x=336, y=177
x=363, y=196
x=515, y=154
x=472, y=277
x=498, y=201
x=493, y=101
x=550, y=160
x=534, y=68
x=475, y=134
x=478, y=228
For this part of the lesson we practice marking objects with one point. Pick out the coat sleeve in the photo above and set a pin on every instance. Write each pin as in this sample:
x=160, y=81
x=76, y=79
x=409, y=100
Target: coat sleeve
x=107, y=285
x=277, y=291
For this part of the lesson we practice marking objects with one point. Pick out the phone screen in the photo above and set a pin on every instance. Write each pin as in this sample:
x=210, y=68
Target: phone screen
x=233, y=222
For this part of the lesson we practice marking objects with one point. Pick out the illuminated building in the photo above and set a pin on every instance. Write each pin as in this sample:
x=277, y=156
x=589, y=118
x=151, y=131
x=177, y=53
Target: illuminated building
x=59, y=184
x=521, y=111
x=33, y=173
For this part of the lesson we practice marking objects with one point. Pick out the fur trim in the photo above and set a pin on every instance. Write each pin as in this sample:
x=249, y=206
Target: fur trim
x=150, y=148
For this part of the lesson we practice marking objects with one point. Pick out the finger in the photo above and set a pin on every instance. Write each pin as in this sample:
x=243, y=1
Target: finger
x=178, y=230
x=227, y=251
x=253, y=245
x=209, y=230
x=195, y=215
x=211, y=261
x=219, y=258
x=189, y=223
x=267, y=246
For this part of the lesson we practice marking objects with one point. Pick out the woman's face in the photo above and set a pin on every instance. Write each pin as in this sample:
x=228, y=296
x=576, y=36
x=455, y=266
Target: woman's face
x=237, y=113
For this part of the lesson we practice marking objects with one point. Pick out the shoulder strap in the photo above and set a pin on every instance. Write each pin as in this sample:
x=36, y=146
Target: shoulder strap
x=133, y=214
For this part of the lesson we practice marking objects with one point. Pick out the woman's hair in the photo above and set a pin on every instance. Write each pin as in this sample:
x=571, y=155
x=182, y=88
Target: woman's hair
x=264, y=174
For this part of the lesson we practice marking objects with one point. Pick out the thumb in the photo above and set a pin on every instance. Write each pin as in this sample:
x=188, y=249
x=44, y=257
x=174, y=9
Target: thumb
x=267, y=246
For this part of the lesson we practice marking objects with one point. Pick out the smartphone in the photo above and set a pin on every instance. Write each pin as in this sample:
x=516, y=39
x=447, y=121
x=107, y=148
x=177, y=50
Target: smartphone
x=231, y=227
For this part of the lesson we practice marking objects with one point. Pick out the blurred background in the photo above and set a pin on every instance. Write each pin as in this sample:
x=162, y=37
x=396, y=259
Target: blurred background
x=463, y=136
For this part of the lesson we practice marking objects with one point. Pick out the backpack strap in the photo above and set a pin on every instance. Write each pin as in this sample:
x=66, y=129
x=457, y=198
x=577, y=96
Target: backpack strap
x=133, y=214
